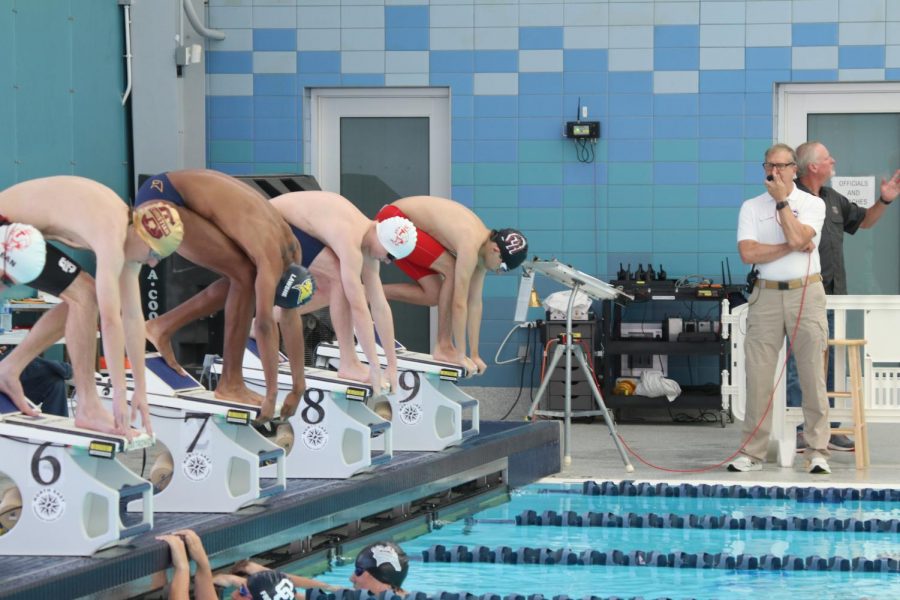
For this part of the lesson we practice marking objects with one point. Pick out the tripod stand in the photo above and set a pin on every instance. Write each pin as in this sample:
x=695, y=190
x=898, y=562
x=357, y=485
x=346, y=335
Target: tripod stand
x=597, y=290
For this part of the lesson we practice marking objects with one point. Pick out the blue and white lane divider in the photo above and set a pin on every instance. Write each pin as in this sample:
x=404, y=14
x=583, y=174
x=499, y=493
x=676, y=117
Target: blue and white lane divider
x=569, y=518
x=688, y=490
x=640, y=558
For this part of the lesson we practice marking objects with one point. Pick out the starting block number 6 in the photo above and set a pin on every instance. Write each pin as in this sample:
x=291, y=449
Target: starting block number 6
x=45, y=470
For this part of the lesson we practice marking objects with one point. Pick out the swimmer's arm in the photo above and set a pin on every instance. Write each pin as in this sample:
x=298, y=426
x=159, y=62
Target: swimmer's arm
x=381, y=314
x=309, y=584
x=461, y=312
x=354, y=270
x=135, y=339
x=473, y=323
x=110, y=263
x=266, y=330
x=292, y=336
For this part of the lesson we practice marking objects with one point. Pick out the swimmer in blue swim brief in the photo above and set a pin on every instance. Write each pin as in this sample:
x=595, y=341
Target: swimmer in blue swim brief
x=232, y=230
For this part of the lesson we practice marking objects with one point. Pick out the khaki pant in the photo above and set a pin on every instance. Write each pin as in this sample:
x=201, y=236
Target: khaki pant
x=771, y=317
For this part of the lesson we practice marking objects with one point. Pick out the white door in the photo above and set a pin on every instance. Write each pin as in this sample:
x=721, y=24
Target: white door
x=860, y=125
x=375, y=145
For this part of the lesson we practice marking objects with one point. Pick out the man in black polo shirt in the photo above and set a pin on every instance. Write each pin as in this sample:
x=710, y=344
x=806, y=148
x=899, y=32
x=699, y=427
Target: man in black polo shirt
x=815, y=167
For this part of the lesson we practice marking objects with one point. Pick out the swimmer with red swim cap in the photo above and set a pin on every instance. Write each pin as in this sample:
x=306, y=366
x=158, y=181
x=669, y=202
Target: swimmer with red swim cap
x=84, y=214
x=343, y=249
x=454, y=252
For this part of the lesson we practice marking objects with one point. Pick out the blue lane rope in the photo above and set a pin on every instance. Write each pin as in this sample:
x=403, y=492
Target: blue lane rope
x=569, y=518
x=641, y=558
x=689, y=490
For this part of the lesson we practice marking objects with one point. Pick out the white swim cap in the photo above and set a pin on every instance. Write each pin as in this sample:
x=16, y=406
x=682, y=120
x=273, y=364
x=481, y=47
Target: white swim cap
x=398, y=236
x=23, y=251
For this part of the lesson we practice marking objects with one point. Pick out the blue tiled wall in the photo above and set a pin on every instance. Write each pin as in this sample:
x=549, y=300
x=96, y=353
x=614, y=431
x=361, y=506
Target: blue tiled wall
x=683, y=91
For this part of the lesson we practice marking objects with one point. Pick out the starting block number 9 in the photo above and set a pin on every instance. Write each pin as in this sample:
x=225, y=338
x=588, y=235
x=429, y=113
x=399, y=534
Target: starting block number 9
x=45, y=469
x=412, y=386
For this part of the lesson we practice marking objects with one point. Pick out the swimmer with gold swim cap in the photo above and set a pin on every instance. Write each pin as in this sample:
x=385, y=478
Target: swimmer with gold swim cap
x=229, y=228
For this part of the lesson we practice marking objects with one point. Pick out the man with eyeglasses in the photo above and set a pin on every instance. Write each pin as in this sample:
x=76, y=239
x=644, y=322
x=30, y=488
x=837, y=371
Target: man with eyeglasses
x=454, y=252
x=779, y=231
x=88, y=215
x=231, y=230
x=815, y=167
x=343, y=249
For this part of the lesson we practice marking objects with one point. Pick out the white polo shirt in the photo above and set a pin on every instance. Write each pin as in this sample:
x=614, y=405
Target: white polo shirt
x=758, y=222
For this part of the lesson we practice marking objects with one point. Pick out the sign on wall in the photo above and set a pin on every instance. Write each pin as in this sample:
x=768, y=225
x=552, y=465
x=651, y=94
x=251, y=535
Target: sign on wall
x=859, y=190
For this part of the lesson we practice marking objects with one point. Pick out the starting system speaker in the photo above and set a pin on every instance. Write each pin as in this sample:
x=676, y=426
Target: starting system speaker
x=176, y=279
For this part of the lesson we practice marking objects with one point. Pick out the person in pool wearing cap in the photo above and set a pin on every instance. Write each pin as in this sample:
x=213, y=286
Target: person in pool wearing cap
x=231, y=229
x=379, y=567
x=343, y=249
x=82, y=213
x=453, y=253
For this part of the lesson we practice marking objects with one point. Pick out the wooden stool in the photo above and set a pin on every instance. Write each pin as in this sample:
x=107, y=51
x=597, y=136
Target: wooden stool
x=859, y=431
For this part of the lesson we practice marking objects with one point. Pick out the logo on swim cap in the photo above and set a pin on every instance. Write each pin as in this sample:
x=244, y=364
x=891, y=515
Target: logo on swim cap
x=513, y=247
x=159, y=225
x=385, y=561
x=386, y=555
x=22, y=251
x=398, y=236
x=157, y=185
x=295, y=288
x=270, y=585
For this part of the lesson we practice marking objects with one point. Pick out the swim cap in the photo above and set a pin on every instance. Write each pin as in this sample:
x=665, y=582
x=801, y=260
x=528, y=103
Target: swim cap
x=23, y=252
x=398, y=236
x=270, y=585
x=513, y=247
x=385, y=561
x=159, y=225
x=295, y=288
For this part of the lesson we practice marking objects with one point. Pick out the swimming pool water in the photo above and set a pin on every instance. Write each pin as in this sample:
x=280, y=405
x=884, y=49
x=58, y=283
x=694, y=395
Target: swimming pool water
x=484, y=529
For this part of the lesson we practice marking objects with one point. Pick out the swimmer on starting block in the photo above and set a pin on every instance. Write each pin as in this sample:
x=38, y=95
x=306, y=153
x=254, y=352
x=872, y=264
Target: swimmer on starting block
x=231, y=229
x=453, y=253
x=343, y=249
x=82, y=213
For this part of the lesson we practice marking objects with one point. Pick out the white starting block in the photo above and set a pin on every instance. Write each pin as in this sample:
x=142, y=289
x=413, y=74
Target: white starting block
x=217, y=456
x=73, y=489
x=428, y=408
x=337, y=434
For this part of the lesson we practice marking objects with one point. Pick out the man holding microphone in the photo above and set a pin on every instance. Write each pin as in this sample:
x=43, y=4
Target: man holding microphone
x=779, y=231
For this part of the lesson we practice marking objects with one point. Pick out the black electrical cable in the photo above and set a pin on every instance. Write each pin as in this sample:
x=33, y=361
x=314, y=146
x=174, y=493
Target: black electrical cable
x=521, y=377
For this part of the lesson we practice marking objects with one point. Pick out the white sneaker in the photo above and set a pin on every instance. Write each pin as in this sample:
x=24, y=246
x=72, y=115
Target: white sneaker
x=743, y=464
x=818, y=465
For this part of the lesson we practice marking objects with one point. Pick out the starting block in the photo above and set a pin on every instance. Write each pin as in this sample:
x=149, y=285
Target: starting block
x=217, y=457
x=337, y=434
x=428, y=408
x=73, y=490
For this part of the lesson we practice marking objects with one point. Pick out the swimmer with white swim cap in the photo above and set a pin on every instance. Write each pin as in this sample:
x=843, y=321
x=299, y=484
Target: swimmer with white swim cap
x=343, y=248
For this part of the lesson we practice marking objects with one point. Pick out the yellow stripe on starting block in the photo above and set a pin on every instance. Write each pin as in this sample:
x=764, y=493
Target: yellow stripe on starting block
x=449, y=374
x=101, y=449
x=355, y=393
x=237, y=417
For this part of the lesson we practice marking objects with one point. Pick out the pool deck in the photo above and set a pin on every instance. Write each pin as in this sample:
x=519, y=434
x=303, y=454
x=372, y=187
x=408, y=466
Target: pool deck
x=694, y=446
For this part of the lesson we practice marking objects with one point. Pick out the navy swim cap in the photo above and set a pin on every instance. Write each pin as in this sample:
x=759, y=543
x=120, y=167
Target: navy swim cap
x=295, y=288
x=385, y=561
x=270, y=585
